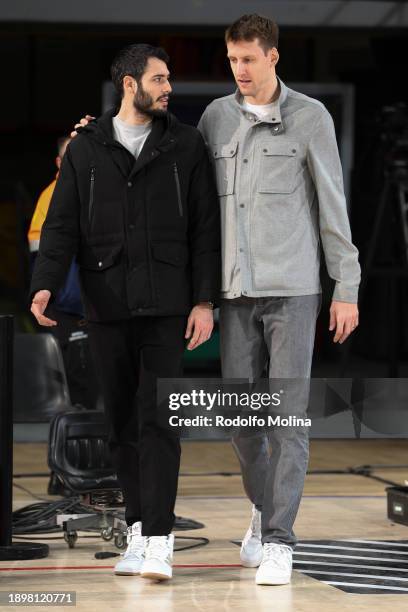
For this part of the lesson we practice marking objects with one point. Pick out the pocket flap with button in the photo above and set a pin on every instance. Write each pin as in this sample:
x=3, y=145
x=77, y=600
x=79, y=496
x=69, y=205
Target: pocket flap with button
x=99, y=257
x=279, y=165
x=224, y=150
x=174, y=253
x=279, y=148
x=224, y=157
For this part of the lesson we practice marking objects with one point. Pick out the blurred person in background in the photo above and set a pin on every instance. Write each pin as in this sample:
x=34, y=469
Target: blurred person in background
x=44, y=200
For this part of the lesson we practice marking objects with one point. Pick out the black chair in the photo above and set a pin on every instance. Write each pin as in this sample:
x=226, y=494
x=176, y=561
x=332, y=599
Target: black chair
x=40, y=385
x=77, y=449
x=78, y=454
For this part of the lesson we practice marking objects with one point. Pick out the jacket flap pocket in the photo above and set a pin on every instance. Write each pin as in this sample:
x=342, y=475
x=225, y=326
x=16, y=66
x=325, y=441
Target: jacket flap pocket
x=279, y=148
x=174, y=253
x=279, y=165
x=99, y=257
x=224, y=150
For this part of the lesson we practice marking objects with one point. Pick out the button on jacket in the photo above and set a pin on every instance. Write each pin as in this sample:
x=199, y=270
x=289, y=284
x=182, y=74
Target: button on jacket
x=146, y=231
x=280, y=186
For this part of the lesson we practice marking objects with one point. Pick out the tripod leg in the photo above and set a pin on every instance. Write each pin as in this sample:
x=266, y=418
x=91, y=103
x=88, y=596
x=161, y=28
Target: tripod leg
x=394, y=326
x=368, y=263
x=403, y=209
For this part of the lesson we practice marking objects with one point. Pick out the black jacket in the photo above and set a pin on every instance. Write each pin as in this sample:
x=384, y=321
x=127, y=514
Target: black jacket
x=146, y=233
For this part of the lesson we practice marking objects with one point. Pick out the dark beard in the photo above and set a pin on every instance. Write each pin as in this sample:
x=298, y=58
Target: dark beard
x=143, y=103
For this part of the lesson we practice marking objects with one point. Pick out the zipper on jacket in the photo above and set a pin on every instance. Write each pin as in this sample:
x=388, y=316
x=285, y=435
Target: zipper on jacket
x=177, y=179
x=91, y=192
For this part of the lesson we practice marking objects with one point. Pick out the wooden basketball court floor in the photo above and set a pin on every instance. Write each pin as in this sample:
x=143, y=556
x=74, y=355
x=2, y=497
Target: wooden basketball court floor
x=211, y=578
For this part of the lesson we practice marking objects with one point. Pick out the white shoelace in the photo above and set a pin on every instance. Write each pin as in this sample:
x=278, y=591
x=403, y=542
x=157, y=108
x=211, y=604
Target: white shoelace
x=136, y=543
x=158, y=548
x=276, y=553
x=254, y=530
x=256, y=522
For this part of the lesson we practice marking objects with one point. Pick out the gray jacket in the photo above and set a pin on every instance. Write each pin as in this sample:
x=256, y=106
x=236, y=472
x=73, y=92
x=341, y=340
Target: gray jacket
x=280, y=185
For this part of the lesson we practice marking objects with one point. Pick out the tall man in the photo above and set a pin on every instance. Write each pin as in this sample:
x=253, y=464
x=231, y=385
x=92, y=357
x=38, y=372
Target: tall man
x=136, y=202
x=280, y=186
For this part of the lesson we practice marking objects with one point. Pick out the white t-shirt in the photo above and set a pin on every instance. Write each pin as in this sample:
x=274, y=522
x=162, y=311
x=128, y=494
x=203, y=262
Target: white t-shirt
x=132, y=137
x=262, y=111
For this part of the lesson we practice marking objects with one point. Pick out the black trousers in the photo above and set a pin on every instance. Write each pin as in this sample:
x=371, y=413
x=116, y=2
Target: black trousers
x=130, y=356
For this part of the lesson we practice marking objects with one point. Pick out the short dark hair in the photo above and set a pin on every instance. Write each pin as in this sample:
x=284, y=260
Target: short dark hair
x=61, y=142
x=132, y=61
x=250, y=27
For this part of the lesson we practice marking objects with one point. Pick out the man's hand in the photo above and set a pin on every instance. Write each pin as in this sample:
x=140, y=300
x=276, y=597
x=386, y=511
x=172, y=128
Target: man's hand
x=84, y=121
x=343, y=317
x=40, y=302
x=200, y=323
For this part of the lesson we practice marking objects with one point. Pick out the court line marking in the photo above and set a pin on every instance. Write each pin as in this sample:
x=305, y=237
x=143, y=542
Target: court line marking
x=189, y=497
x=314, y=554
x=92, y=567
x=382, y=542
x=365, y=586
x=371, y=576
x=383, y=568
x=366, y=549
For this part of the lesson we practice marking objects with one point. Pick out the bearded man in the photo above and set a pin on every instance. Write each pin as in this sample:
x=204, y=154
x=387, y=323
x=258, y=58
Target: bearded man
x=136, y=203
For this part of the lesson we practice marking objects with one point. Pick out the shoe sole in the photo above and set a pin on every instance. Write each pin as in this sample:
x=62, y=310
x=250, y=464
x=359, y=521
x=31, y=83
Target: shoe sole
x=273, y=582
x=245, y=563
x=126, y=573
x=250, y=562
x=155, y=576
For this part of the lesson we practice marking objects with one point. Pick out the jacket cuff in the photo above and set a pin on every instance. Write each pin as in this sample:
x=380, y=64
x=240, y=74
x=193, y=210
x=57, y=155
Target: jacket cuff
x=208, y=295
x=345, y=293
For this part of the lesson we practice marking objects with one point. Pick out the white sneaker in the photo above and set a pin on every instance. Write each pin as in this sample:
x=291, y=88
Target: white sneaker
x=276, y=566
x=158, y=558
x=251, y=547
x=133, y=558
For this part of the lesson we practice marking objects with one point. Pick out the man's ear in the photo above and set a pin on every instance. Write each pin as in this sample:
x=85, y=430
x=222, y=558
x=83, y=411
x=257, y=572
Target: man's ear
x=274, y=56
x=129, y=85
x=58, y=161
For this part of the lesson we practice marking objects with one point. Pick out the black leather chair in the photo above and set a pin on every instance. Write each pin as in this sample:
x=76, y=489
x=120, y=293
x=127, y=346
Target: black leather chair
x=77, y=449
x=40, y=385
x=78, y=454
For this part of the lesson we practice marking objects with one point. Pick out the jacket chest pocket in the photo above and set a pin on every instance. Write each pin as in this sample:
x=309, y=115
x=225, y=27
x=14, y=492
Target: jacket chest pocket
x=278, y=167
x=224, y=157
x=99, y=258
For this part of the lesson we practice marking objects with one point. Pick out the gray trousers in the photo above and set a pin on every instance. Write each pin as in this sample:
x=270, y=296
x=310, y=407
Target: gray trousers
x=280, y=330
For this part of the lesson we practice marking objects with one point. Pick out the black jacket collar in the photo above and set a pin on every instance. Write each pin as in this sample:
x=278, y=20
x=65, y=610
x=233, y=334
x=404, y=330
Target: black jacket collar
x=161, y=139
x=101, y=128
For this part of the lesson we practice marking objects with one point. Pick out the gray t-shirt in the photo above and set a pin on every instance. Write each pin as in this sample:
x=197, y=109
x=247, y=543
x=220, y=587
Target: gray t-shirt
x=132, y=137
